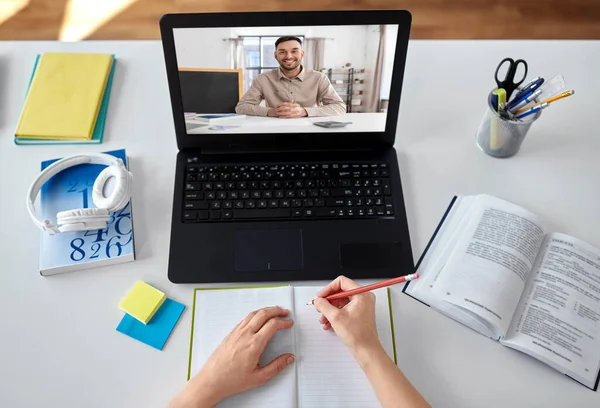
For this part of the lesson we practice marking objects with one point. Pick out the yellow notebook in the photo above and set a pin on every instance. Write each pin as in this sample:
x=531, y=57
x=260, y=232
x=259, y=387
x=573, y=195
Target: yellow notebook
x=64, y=97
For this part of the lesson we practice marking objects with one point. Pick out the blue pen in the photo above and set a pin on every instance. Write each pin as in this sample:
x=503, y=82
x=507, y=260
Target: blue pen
x=534, y=84
x=526, y=100
x=516, y=101
x=526, y=91
x=532, y=110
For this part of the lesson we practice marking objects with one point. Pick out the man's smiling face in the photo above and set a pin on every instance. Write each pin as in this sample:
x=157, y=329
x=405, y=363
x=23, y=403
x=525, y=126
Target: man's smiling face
x=289, y=54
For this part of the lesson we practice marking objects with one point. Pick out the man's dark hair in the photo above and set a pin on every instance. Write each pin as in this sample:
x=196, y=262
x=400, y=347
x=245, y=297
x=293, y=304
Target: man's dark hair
x=287, y=38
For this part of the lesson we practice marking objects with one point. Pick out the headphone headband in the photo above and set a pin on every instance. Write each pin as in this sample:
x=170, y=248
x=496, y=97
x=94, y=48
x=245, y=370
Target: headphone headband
x=55, y=168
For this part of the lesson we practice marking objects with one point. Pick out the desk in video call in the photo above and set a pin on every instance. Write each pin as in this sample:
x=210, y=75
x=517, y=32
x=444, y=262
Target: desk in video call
x=361, y=122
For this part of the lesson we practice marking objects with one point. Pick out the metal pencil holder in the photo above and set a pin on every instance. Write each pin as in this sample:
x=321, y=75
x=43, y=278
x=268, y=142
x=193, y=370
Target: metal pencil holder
x=502, y=137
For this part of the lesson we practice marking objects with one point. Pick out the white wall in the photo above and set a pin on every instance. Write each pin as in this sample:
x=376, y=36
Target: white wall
x=344, y=44
x=372, y=47
x=390, y=48
x=278, y=31
x=205, y=48
x=202, y=47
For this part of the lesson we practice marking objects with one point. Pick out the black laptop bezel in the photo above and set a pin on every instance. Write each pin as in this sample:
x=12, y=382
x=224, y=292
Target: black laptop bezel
x=285, y=141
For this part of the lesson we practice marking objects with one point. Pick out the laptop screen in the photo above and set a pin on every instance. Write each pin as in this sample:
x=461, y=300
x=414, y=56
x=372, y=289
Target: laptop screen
x=295, y=79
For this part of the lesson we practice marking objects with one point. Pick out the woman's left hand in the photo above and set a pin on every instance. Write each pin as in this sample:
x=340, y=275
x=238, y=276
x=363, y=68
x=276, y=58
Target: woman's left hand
x=234, y=366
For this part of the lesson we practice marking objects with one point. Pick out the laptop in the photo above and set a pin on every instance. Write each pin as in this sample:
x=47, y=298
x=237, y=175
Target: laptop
x=285, y=124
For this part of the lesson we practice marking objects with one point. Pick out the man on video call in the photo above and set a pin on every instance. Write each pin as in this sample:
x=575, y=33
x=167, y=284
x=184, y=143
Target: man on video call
x=291, y=91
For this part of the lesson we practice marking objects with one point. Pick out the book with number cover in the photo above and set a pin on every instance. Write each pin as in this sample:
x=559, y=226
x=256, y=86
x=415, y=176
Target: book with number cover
x=498, y=269
x=73, y=251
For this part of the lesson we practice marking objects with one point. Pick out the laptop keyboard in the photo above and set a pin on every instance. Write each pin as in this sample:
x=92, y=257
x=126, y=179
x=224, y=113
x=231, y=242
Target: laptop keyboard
x=215, y=193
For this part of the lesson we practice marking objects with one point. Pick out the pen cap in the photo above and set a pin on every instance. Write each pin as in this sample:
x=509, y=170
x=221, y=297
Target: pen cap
x=499, y=135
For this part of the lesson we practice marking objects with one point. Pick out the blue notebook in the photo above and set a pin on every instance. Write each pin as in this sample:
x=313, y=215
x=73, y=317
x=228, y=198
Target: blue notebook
x=73, y=251
x=100, y=121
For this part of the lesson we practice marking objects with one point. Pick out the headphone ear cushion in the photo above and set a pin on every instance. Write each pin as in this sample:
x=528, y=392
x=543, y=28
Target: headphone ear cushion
x=82, y=213
x=82, y=219
x=121, y=193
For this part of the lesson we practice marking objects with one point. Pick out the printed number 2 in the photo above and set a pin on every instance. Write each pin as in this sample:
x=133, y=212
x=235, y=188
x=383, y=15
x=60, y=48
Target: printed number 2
x=96, y=247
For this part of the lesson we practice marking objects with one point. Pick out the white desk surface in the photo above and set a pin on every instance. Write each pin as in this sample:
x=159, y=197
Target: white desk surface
x=59, y=346
x=361, y=122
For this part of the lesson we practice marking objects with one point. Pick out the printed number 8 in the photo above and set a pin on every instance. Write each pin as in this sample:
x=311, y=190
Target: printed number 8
x=77, y=249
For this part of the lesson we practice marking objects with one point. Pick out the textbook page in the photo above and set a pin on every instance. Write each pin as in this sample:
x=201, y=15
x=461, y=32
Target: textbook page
x=487, y=270
x=440, y=249
x=217, y=312
x=558, y=319
x=434, y=261
x=328, y=375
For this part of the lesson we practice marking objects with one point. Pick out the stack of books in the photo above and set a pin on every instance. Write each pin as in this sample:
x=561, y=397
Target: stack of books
x=67, y=99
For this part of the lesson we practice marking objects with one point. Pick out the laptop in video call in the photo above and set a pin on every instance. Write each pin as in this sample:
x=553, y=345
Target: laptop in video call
x=285, y=124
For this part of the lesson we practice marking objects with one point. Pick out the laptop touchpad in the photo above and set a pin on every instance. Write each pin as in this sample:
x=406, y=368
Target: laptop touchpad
x=265, y=250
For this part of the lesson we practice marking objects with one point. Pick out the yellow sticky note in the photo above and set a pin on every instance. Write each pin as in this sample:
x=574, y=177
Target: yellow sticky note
x=142, y=301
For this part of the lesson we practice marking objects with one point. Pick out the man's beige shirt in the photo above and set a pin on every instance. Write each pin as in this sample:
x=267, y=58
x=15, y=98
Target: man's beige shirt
x=310, y=89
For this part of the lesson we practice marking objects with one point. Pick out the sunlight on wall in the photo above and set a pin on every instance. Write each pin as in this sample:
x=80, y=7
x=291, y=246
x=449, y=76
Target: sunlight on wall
x=9, y=8
x=83, y=17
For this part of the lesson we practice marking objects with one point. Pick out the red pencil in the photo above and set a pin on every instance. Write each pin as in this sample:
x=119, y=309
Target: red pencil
x=368, y=288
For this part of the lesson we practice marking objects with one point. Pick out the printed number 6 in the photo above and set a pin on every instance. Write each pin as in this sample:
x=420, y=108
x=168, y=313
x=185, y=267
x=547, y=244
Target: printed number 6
x=117, y=244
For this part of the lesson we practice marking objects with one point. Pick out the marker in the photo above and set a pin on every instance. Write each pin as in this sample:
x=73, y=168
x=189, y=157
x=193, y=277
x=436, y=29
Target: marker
x=498, y=96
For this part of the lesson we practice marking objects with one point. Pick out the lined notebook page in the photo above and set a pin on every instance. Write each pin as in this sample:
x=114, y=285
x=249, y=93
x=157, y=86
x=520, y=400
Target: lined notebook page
x=328, y=375
x=217, y=312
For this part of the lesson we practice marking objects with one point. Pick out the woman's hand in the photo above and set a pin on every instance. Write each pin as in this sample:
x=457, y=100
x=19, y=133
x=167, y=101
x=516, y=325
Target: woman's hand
x=234, y=366
x=352, y=319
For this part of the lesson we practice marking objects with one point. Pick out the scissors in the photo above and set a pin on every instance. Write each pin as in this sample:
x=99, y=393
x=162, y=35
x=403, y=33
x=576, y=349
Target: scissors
x=509, y=83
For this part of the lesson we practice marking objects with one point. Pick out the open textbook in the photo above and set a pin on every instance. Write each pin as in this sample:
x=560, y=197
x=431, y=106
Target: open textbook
x=494, y=267
x=324, y=374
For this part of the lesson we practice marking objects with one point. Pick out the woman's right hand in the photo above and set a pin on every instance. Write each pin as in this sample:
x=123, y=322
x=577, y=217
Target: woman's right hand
x=352, y=319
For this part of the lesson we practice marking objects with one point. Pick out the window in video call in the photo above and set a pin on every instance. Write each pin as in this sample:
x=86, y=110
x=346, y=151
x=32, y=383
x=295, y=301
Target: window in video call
x=285, y=79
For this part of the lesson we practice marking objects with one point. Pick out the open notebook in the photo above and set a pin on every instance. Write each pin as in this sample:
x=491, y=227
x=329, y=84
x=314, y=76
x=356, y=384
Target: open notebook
x=324, y=375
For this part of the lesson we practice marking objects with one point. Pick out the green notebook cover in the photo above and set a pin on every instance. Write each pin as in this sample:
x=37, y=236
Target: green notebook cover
x=273, y=286
x=100, y=121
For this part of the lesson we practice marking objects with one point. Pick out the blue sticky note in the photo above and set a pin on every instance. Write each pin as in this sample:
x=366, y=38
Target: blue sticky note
x=158, y=330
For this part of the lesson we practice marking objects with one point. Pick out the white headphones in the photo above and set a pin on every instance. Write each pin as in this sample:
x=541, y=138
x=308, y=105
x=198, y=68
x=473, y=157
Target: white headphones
x=85, y=219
